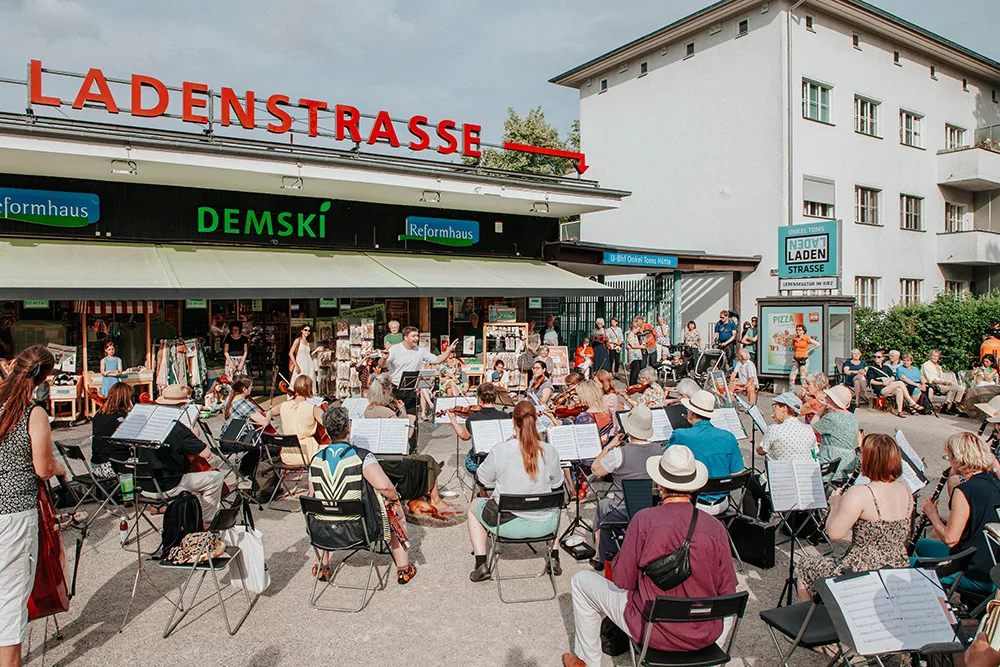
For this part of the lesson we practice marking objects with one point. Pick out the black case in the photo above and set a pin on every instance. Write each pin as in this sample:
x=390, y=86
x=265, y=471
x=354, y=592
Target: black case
x=754, y=540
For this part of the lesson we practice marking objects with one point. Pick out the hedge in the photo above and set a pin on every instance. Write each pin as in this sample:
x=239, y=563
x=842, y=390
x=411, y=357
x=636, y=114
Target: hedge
x=950, y=323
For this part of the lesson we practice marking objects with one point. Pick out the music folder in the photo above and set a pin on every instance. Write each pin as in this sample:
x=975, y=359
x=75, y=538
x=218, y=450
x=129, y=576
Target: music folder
x=488, y=433
x=381, y=436
x=148, y=423
x=662, y=429
x=795, y=485
x=888, y=611
x=729, y=420
x=576, y=442
x=913, y=475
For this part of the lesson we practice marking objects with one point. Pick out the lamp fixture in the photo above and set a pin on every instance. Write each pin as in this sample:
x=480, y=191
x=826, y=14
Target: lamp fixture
x=291, y=183
x=540, y=207
x=431, y=197
x=125, y=167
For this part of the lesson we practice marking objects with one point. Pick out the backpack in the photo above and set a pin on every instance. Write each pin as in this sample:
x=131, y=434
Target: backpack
x=183, y=517
x=265, y=481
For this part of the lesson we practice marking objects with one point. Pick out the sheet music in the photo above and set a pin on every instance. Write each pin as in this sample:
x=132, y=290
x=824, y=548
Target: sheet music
x=904, y=445
x=148, y=423
x=729, y=420
x=913, y=478
x=742, y=402
x=795, y=485
x=381, y=436
x=576, y=442
x=449, y=402
x=758, y=418
x=662, y=428
x=355, y=407
x=892, y=610
x=488, y=433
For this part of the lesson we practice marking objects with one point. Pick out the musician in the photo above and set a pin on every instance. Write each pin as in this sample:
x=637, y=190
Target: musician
x=744, y=376
x=838, y=431
x=876, y=514
x=334, y=474
x=971, y=503
x=540, y=386
x=26, y=443
x=239, y=405
x=653, y=533
x=408, y=357
x=525, y=465
x=113, y=411
x=612, y=401
x=169, y=464
x=299, y=417
x=623, y=458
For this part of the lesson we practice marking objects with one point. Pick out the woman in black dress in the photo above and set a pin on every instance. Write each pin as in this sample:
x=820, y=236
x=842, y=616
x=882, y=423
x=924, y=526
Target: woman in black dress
x=599, y=341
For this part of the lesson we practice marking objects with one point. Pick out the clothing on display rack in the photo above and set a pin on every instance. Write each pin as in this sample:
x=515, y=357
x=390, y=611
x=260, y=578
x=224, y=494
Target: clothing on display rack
x=181, y=361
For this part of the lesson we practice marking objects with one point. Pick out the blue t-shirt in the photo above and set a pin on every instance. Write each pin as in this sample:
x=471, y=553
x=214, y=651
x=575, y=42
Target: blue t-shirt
x=912, y=373
x=851, y=366
x=726, y=330
x=714, y=447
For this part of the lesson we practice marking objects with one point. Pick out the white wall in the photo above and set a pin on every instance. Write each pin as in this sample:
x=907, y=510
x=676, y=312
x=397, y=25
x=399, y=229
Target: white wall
x=703, y=295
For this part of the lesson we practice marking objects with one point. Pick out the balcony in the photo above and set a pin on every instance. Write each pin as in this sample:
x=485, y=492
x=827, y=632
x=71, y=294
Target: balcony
x=974, y=168
x=971, y=248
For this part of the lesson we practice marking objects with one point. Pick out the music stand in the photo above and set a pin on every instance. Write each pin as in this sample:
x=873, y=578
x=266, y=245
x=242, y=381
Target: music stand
x=504, y=399
x=788, y=496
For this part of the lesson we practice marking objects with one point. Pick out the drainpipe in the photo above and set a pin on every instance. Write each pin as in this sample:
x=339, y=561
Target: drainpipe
x=791, y=105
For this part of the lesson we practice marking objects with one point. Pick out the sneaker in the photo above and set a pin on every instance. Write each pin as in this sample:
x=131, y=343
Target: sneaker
x=570, y=660
x=597, y=564
x=960, y=413
x=406, y=574
x=946, y=410
x=481, y=573
x=556, y=567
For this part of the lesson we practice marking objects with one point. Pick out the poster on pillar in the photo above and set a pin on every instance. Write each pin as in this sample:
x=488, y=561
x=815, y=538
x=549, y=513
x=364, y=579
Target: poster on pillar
x=777, y=331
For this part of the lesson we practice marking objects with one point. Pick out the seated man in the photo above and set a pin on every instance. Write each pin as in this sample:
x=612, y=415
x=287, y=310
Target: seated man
x=341, y=471
x=169, y=465
x=953, y=392
x=715, y=447
x=744, y=376
x=486, y=394
x=788, y=439
x=653, y=533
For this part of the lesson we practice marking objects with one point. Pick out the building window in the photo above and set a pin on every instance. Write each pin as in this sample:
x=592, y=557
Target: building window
x=954, y=137
x=689, y=50
x=934, y=72
x=856, y=40
x=911, y=213
x=909, y=128
x=815, y=209
x=604, y=85
x=866, y=291
x=809, y=23
x=965, y=85
x=954, y=217
x=866, y=205
x=643, y=68
x=956, y=287
x=569, y=231
x=895, y=58
x=866, y=113
x=816, y=101
x=909, y=290
x=742, y=27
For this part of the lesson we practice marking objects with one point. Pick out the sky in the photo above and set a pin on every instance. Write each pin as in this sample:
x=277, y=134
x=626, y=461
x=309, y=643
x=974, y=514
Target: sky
x=466, y=60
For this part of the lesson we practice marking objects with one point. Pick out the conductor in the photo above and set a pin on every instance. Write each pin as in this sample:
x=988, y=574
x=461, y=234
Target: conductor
x=409, y=357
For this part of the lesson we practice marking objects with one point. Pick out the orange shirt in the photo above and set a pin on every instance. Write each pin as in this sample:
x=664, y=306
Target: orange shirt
x=582, y=354
x=800, y=345
x=647, y=336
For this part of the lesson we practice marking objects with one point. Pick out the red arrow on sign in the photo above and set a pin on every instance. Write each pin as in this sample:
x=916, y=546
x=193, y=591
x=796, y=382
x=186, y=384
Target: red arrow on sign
x=581, y=160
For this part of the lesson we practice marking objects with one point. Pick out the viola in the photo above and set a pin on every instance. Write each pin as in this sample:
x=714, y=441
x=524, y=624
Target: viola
x=567, y=411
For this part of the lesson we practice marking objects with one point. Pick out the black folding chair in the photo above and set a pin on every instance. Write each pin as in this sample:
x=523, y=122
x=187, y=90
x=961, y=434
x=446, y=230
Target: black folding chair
x=351, y=535
x=224, y=519
x=805, y=624
x=147, y=492
x=690, y=610
x=524, y=503
x=638, y=494
x=94, y=487
x=727, y=486
x=945, y=567
x=216, y=448
x=291, y=443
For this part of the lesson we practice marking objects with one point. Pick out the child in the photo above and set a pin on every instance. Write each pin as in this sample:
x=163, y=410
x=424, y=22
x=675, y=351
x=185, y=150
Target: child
x=584, y=358
x=802, y=347
x=111, y=369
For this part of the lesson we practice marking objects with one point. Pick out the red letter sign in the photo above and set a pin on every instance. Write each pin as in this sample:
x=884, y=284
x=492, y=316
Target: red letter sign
x=450, y=144
x=230, y=102
x=470, y=138
x=163, y=97
x=189, y=102
x=286, y=119
x=419, y=133
x=348, y=117
x=102, y=96
x=383, y=129
x=314, y=106
x=35, y=86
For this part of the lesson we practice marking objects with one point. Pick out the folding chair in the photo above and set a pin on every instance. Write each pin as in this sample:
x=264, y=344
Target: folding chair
x=223, y=520
x=283, y=469
x=727, y=486
x=690, y=610
x=638, y=495
x=94, y=486
x=147, y=491
x=946, y=567
x=216, y=448
x=805, y=624
x=524, y=503
x=320, y=516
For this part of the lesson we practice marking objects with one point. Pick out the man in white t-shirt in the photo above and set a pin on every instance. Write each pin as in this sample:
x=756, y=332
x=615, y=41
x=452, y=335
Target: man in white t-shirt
x=408, y=357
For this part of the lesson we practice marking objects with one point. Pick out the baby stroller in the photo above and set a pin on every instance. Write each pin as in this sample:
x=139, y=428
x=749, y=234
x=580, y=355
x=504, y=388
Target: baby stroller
x=709, y=361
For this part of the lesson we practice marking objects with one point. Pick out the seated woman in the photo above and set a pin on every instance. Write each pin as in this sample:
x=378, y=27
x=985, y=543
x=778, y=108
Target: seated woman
x=744, y=376
x=239, y=405
x=299, y=417
x=612, y=402
x=450, y=375
x=116, y=407
x=341, y=461
x=838, y=431
x=813, y=398
x=986, y=373
x=499, y=376
x=415, y=475
x=589, y=393
x=911, y=376
x=882, y=380
x=540, y=386
x=971, y=502
x=654, y=396
x=525, y=465
x=877, y=515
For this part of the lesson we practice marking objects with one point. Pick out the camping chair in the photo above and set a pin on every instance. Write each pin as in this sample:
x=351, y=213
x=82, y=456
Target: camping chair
x=290, y=442
x=690, y=610
x=805, y=624
x=224, y=519
x=708, y=361
x=94, y=487
x=727, y=486
x=345, y=512
x=524, y=503
x=147, y=492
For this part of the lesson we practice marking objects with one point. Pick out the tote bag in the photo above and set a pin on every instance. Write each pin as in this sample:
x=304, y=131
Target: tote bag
x=250, y=572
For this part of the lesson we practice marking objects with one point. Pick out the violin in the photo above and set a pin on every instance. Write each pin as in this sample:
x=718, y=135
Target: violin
x=462, y=411
x=637, y=389
x=567, y=411
x=566, y=398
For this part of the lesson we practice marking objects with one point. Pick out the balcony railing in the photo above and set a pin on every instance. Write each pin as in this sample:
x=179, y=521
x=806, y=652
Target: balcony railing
x=988, y=138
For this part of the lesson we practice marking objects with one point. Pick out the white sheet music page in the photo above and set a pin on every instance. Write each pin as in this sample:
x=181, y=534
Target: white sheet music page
x=871, y=618
x=911, y=478
x=563, y=438
x=488, y=433
x=781, y=485
x=729, y=420
x=921, y=604
x=148, y=423
x=393, y=437
x=662, y=430
x=588, y=440
x=904, y=444
x=758, y=418
x=365, y=433
x=355, y=407
x=809, y=482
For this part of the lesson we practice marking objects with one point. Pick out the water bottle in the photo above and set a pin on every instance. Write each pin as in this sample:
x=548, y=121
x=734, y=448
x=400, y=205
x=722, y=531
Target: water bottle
x=123, y=531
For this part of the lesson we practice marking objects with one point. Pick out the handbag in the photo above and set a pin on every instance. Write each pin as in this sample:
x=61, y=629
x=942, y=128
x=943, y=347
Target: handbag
x=754, y=540
x=672, y=570
x=251, y=570
x=50, y=593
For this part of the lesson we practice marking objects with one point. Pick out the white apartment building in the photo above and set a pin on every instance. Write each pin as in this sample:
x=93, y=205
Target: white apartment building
x=749, y=115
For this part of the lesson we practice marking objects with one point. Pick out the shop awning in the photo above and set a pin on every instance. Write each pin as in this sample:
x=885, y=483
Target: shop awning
x=116, y=307
x=101, y=271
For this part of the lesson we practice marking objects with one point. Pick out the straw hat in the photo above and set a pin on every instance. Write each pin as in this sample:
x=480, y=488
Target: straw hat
x=701, y=403
x=677, y=469
x=840, y=395
x=638, y=423
x=174, y=394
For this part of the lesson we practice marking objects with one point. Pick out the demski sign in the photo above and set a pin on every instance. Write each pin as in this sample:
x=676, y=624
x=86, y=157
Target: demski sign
x=150, y=98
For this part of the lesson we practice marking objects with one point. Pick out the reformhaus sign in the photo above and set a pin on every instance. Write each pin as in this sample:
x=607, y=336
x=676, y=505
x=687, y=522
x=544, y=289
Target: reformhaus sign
x=443, y=231
x=49, y=207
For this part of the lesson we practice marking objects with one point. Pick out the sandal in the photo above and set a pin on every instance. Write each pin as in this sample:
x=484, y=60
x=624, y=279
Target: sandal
x=404, y=575
x=899, y=413
x=320, y=573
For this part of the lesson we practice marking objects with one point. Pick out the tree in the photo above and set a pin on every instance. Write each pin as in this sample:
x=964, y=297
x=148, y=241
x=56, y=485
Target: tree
x=533, y=131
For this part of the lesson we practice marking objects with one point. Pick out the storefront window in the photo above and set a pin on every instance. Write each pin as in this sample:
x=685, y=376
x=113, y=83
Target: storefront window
x=841, y=340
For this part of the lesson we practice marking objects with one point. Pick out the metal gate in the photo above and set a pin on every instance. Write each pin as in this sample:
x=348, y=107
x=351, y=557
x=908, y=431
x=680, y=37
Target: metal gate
x=650, y=297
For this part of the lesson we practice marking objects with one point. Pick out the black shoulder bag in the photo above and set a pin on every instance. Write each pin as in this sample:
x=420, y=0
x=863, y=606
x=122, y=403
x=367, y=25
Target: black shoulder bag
x=674, y=569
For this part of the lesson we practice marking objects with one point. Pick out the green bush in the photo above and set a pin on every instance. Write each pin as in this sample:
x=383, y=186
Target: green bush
x=952, y=324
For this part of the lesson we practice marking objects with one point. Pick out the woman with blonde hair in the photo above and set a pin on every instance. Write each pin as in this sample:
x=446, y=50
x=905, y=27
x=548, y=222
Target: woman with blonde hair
x=299, y=417
x=974, y=492
x=612, y=403
x=523, y=465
